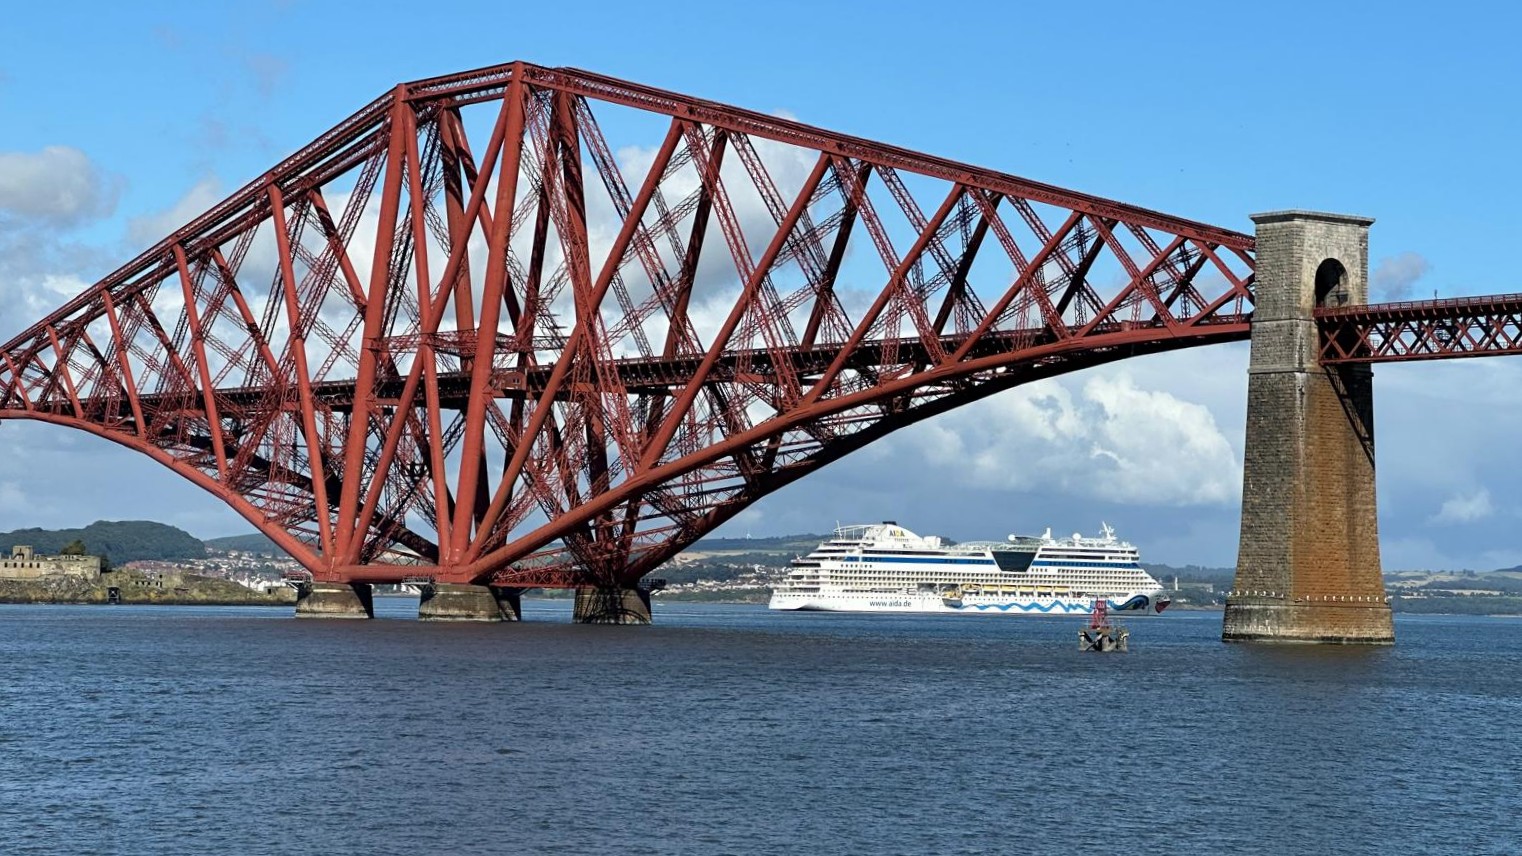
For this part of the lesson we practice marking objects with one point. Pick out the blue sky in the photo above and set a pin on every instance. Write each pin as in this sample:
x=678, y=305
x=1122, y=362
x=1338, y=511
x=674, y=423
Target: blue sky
x=143, y=115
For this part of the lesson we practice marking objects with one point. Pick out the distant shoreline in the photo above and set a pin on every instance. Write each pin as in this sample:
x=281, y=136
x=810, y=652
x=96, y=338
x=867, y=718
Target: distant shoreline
x=131, y=588
x=13, y=592
x=12, y=601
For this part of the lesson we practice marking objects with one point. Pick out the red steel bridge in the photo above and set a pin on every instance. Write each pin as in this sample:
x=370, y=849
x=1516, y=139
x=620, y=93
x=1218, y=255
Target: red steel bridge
x=529, y=326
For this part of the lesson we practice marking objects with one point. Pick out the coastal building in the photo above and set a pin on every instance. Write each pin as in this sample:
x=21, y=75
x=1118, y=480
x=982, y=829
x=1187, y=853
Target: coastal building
x=24, y=564
x=156, y=580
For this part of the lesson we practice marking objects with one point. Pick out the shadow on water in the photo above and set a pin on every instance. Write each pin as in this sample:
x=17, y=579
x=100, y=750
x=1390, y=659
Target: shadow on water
x=1295, y=657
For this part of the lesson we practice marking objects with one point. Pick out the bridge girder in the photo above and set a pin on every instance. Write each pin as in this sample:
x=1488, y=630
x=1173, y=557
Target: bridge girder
x=543, y=327
x=1421, y=330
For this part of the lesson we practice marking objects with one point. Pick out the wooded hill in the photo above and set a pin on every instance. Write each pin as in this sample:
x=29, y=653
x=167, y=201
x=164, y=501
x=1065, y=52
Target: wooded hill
x=118, y=540
x=790, y=545
x=251, y=543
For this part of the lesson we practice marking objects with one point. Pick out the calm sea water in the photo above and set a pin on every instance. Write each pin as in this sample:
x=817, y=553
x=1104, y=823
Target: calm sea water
x=729, y=729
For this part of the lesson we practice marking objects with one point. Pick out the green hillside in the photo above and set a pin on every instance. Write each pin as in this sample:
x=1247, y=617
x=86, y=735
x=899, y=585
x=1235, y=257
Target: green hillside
x=120, y=540
x=1190, y=573
x=789, y=544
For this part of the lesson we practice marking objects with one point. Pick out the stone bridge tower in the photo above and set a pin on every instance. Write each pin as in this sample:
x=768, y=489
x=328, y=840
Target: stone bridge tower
x=1308, y=567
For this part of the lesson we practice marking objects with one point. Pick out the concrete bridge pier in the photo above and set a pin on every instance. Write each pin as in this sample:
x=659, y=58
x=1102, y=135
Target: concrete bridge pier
x=334, y=600
x=450, y=602
x=612, y=605
x=1308, y=567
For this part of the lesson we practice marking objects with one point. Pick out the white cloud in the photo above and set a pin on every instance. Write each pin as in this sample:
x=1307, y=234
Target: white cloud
x=148, y=229
x=1394, y=278
x=1466, y=508
x=42, y=263
x=1110, y=440
x=750, y=518
x=49, y=292
x=788, y=166
x=58, y=185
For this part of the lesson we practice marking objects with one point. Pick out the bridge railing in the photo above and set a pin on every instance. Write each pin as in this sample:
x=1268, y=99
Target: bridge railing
x=1442, y=307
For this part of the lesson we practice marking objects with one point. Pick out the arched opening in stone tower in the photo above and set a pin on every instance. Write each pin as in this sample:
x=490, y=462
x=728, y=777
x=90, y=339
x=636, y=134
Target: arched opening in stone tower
x=1332, y=284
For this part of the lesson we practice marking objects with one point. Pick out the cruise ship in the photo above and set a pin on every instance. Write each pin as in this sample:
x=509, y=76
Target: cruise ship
x=883, y=567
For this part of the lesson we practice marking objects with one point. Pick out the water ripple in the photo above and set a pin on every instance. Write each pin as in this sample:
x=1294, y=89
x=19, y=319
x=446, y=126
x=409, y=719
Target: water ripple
x=734, y=730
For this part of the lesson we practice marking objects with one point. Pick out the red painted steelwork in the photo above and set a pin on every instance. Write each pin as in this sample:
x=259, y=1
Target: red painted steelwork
x=535, y=326
x=1421, y=330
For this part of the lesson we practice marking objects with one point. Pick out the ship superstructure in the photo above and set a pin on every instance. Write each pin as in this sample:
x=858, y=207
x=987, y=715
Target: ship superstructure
x=883, y=567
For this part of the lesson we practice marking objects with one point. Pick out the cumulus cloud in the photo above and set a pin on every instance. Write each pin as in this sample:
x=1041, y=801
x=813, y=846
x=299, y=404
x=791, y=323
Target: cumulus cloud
x=41, y=268
x=50, y=291
x=146, y=230
x=1466, y=508
x=788, y=167
x=1110, y=440
x=57, y=186
x=1394, y=278
x=750, y=518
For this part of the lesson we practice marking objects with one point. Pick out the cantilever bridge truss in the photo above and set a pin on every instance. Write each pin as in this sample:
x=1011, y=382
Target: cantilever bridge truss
x=533, y=326
x=1421, y=330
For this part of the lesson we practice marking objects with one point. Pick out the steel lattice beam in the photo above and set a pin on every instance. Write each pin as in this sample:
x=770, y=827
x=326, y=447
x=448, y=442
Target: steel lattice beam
x=541, y=327
x=1421, y=330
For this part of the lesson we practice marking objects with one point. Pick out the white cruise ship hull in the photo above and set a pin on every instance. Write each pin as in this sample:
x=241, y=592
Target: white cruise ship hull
x=1136, y=604
x=887, y=568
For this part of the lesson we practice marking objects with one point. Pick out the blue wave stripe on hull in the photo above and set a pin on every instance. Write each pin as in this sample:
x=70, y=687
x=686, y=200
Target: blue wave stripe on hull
x=1028, y=607
x=1137, y=602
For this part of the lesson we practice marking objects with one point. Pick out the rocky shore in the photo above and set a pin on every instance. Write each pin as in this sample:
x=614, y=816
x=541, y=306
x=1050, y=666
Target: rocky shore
x=133, y=588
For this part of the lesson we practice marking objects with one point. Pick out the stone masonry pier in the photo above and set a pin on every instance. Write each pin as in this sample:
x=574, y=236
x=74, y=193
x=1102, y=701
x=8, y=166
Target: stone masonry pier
x=1308, y=568
x=334, y=600
x=445, y=602
x=611, y=605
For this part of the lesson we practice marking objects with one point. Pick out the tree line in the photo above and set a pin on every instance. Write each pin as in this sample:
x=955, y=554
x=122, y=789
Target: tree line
x=120, y=540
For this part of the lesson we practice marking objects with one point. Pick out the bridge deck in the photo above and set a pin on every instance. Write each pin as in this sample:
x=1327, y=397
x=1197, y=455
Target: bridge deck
x=1421, y=329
